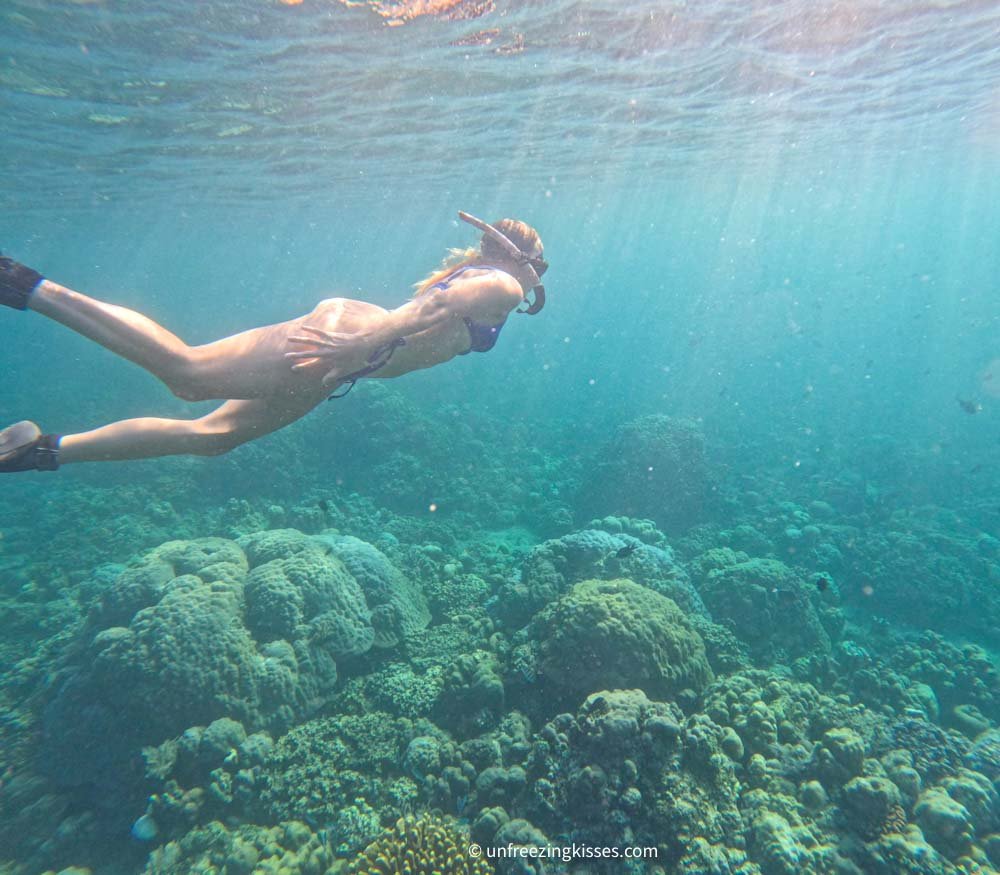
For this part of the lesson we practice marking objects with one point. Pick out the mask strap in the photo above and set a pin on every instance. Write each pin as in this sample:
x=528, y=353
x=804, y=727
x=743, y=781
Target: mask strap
x=503, y=241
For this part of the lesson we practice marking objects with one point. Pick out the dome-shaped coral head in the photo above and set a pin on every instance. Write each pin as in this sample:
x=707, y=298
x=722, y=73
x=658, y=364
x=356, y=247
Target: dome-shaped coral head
x=517, y=241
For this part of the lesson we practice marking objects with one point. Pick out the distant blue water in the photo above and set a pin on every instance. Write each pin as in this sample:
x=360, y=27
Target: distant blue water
x=761, y=201
x=796, y=312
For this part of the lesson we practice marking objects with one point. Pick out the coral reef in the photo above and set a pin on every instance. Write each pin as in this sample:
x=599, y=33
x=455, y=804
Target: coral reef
x=321, y=763
x=285, y=847
x=617, y=634
x=653, y=467
x=552, y=567
x=767, y=605
x=207, y=630
x=305, y=594
x=398, y=607
x=325, y=683
x=931, y=571
x=419, y=844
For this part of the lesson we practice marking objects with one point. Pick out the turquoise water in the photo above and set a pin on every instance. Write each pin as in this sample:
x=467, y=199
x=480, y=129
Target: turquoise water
x=765, y=388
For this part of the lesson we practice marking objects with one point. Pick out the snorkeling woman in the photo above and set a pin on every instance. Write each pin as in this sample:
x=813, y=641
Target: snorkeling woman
x=274, y=375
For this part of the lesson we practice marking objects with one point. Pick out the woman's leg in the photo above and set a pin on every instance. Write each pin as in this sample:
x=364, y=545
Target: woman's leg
x=244, y=366
x=123, y=331
x=248, y=365
x=220, y=431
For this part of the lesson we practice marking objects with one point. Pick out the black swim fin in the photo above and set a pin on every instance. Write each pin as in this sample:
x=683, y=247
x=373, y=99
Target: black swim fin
x=23, y=447
x=17, y=282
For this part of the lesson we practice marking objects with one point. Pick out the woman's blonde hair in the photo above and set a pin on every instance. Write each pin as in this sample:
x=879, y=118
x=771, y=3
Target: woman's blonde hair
x=454, y=260
x=520, y=234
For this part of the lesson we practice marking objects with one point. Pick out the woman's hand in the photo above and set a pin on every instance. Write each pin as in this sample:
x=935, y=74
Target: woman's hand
x=346, y=352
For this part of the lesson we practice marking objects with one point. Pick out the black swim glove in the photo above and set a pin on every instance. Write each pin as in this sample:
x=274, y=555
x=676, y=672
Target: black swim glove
x=17, y=282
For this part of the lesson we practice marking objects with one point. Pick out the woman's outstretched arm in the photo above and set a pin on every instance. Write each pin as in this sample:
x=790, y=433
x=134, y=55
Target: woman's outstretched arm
x=488, y=297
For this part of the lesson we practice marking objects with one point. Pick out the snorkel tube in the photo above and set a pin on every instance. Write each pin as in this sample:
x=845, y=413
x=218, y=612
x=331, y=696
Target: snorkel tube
x=508, y=246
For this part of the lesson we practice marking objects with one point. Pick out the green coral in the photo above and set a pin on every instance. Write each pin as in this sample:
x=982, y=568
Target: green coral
x=355, y=827
x=397, y=603
x=412, y=688
x=473, y=695
x=416, y=845
x=313, y=590
x=263, y=547
x=768, y=606
x=715, y=559
x=644, y=530
x=215, y=849
x=839, y=757
x=653, y=467
x=618, y=771
x=137, y=587
x=945, y=822
x=453, y=592
x=985, y=754
x=194, y=557
x=963, y=677
x=617, y=634
x=199, y=630
x=399, y=689
x=871, y=804
x=978, y=795
x=769, y=711
x=955, y=812
x=189, y=653
x=905, y=853
x=320, y=763
x=783, y=848
x=552, y=567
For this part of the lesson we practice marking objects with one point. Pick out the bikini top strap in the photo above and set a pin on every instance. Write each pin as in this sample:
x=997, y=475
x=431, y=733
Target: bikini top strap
x=443, y=284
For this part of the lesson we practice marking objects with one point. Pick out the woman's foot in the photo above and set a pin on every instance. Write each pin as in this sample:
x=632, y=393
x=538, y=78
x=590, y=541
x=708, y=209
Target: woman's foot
x=23, y=447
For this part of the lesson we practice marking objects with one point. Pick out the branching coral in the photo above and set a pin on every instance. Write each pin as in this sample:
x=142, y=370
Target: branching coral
x=417, y=845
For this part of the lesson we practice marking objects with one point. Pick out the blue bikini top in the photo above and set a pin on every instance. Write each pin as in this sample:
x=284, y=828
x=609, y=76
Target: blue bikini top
x=482, y=337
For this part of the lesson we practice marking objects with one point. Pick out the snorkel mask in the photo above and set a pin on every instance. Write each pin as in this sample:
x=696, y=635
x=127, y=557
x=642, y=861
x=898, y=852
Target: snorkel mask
x=534, y=265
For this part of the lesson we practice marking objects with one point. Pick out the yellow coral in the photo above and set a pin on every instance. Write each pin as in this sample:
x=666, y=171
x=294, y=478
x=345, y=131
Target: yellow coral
x=419, y=846
x=895, y=821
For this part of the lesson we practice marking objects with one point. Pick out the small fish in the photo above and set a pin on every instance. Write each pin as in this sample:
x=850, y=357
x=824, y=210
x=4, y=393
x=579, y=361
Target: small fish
x=970, y=407
x=626, y=551
x=324, y=505
x=822, y=583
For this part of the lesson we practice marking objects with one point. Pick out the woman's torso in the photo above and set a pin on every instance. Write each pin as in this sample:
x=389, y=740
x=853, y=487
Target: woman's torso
x=261, y=351
x=425, y=348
